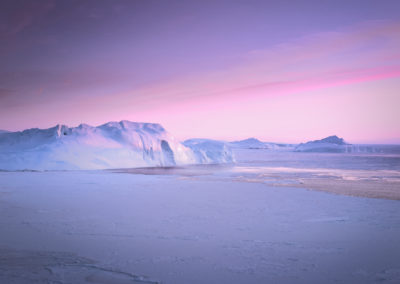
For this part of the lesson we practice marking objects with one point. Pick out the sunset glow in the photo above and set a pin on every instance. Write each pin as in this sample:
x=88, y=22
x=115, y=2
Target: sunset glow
x=228, y=78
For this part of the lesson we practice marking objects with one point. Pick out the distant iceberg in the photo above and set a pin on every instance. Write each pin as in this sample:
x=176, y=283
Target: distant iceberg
x=121, y=144
x=254, y=143
x=250, y=143
x=332, y=144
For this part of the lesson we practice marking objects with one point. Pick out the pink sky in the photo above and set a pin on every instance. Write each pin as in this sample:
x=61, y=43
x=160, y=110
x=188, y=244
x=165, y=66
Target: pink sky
x=344, y=82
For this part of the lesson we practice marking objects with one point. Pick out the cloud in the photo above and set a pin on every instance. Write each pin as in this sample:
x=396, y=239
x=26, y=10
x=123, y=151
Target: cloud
x=365, y=52
x=5, y=93
x=7, y=97
x=18, y=15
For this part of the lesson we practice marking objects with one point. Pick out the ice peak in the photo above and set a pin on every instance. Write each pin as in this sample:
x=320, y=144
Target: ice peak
x=251, y=139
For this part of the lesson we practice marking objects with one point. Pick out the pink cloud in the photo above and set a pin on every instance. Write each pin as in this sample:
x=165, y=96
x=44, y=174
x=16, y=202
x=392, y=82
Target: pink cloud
x=362, y=53
x=314, y=65
x=343, y=82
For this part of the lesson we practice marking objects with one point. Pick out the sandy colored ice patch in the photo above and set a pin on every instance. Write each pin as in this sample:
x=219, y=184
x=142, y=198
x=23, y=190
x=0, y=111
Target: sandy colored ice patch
x=353, y=182
x=363, y=183
x=371, y=188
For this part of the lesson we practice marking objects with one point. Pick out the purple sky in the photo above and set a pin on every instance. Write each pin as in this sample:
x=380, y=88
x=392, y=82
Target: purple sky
x=285, y=71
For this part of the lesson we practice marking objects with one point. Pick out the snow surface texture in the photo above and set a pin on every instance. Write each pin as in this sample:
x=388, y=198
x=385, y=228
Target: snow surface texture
x=122, y=144
x=211, y=225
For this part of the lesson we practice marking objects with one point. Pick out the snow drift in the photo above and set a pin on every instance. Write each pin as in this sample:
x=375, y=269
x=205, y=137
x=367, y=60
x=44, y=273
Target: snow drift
x=122, y=144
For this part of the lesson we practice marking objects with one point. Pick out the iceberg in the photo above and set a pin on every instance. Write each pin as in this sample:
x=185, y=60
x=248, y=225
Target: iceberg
x=331, y=144
x=208, y=151
x=121, y=144
x=254, y=143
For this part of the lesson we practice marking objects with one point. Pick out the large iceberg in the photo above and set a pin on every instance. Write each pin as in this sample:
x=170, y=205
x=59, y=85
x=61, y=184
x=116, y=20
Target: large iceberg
x=122, y=144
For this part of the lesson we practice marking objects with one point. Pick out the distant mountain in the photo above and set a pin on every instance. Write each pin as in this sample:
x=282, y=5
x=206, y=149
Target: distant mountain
x=329, y=144
x=121, y=144
x=4, y=131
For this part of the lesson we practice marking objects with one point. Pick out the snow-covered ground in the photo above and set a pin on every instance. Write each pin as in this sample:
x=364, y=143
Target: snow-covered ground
x=199, y=224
